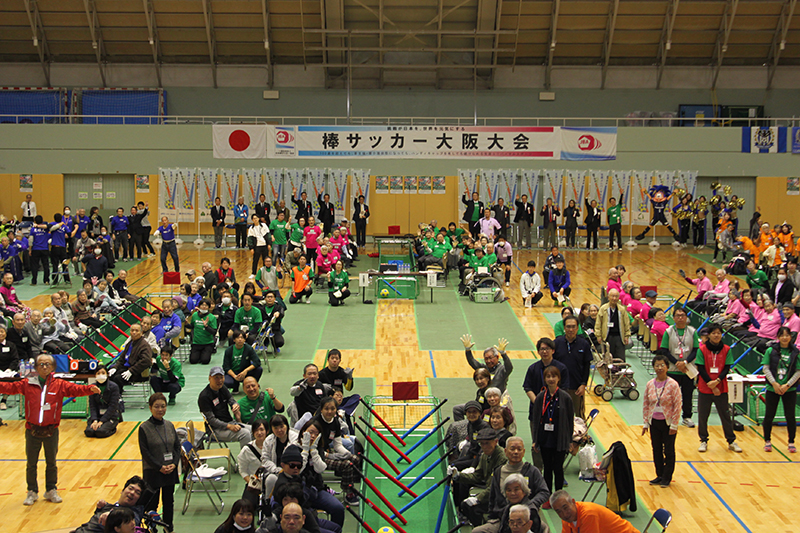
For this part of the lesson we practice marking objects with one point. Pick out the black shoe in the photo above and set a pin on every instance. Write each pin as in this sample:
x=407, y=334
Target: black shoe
x=640, y=237
x=665, y=484
x=656, y=481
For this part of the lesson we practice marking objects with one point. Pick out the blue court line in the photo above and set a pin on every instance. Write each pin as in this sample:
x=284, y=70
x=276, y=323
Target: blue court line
x=433, y=365
x=516, y=265
x=728, y=507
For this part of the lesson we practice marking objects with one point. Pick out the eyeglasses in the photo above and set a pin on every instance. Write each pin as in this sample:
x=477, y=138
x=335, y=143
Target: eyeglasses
x=295, y=465
x=44, y=364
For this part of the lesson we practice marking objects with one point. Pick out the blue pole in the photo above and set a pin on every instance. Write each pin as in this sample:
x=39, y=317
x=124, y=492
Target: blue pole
x=418, y=461
x=424, y=472
x=419, y=498
x=416, y=445
x=742, y=356
x=703, y=324
x=442, y=507
x=423, y=419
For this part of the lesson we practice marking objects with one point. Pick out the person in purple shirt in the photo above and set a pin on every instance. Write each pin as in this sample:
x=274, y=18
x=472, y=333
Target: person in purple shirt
x=80, y=222
x=170, y=324
x=58, y=248
x=22, y=245
x=502, y=249
x=40, y=250
x=487, y=224
x=69, y=224
x=119, y=233
x=168, y=246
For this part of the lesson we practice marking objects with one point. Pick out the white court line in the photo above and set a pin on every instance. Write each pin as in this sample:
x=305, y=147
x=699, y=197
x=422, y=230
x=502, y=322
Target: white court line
x=407, y=477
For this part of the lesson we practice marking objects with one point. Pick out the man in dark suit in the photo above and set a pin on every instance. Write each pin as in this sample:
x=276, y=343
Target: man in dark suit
x=303, y=205
x=326, y=212
x=262, y=209
x=473, y=212
x=523, y=219
x=218, y=222
x=502, y=214
x=550, y=214
x=360, y=216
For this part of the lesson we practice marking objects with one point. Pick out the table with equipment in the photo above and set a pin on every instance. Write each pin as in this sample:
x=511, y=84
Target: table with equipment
x=396, y=285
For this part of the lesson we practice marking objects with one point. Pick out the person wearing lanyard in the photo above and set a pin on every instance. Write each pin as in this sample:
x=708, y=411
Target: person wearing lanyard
x=553, y=416
x=119, y=233
x=168, y=246
x=679, y=345
x=661, y=413
x=713, y=363
x=161, y=452
x=780, y=367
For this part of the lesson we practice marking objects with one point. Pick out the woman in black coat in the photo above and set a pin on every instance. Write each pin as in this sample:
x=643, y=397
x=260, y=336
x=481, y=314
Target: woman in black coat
x=592, y=221
x=784, y=294
x=553, y=418
x=572, y=215
x=104, y=412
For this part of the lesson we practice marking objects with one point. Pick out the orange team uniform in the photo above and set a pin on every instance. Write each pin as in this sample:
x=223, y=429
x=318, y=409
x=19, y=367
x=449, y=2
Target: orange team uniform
x=787, y=240
x=594, y=518
x=748, y=245
x=301, y=278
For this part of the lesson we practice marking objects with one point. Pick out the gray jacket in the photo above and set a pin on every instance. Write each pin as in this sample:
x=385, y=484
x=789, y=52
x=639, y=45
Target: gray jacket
x=500, y=373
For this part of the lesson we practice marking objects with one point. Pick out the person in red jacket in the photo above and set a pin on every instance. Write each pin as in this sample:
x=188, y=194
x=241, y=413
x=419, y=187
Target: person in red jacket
x=44, y=397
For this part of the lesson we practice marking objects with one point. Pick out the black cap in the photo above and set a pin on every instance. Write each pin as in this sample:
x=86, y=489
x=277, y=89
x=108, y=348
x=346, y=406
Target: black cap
x=486, y=434
x=292, y=454
x=472, y=404
x=650, y=294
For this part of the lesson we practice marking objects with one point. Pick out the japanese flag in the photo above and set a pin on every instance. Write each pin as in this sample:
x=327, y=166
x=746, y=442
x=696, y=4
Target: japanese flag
x=240, y=141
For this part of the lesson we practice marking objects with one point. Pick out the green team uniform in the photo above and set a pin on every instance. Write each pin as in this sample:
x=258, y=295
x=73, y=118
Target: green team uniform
x=758, y=280
x=265, y=410
x=296, y=233
x=338, y=281
x=782, y=376
x=174, y=367
x=455, y=234
x=474, y=262
x=614, y=214
x=199, y=333
x=252, y=319
x=278, y=230
x=439, y=249
x=491, y=258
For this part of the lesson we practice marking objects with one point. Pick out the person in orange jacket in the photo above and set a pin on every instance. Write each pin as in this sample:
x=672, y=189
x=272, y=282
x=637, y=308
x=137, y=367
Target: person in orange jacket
x=786, y=236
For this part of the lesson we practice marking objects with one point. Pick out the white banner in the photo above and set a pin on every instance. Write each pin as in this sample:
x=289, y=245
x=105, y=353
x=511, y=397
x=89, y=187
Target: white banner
x=489, y=181
x=621, y=188
x=574, y=187
x=588, y=144
x=251, y=184
x=206, y=192
x=316, y=185
x=414, y=142
x=640, y=206
x=552, y=186
x=240, y=141
x=294, y=180
x=468, y=181
x=598, y=187
x=337, y=188
x=167, y=189
x=185, y=195
x=230, y=188
x=686, y=180
x=273, y=186
x=359, y=186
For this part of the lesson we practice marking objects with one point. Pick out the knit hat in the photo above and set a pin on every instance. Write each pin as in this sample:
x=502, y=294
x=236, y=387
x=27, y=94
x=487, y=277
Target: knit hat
x=472, y=404
x=292, y=454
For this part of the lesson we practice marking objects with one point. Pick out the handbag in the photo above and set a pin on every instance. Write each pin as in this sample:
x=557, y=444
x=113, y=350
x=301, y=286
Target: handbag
x=251, y=242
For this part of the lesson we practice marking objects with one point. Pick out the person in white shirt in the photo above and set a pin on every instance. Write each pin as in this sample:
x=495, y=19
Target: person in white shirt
x=28, y=209
x=260, y=232
x=530, y=285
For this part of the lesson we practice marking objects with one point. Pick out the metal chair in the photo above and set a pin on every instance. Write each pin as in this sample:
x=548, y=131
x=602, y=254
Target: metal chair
x=222, y=452
x=192, y=476
x=586, y=438
x=662, y=516
x=138, y=392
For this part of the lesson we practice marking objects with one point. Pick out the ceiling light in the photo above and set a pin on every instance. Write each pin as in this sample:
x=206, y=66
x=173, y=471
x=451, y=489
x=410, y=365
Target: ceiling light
x=35, y=41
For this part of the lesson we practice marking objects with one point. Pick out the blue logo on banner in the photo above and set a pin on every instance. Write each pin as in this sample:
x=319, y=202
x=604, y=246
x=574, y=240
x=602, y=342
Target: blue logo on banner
x=796, y=140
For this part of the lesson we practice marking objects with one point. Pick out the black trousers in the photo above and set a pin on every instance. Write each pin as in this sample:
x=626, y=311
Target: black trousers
x=57, y=256
x=571, y=233
x=615, y=229
x=687, y=389
x=294, y=299
x=159, y=385
x=121, y=241
x=37, y=257
x=663, y=449
x=167, y=501
x=361, y=232
x=135, y=240
x=684, y=226
x=704, y=402
x=789, y=400
x=553, y=467
x=241, y=235
x=201, y=353
x=145, y=236
x=259, y=254
x=33, y=446
x=699, y=233
x=591, y=235
x=334, y=301
x=567, y=292
x=172, y=249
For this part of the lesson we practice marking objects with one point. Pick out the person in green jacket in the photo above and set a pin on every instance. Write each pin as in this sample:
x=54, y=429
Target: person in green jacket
x=558, y=327
x=338, y=285
x=204, y=331
x=454, y=234
x=256, y=404
x=296, y=235
x=239, y=362
x=614, y=214
x=279, y=229
x=756, y=279
x=478, y=259
x=435, y=253
x=169, y=377
x=247, y=319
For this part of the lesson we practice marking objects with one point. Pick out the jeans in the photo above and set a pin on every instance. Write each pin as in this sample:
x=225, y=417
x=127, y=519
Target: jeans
x=327, y=502
x=663, y=449
x=278, y=252
x=789, y=400
x=704, y=402
x=32, y=447
x=172, y=249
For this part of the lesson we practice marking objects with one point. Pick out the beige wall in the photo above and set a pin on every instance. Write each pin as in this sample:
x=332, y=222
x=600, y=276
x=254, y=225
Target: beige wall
x=775, y=205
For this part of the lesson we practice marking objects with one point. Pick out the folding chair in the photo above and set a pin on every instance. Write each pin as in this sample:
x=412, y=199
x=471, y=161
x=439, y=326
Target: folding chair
x=219, y=453
x=663, y=517
x=586, y=439
x=192, y=476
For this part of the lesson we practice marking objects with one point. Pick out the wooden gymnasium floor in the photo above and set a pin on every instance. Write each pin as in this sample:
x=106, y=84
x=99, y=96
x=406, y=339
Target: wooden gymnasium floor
x=405, y=340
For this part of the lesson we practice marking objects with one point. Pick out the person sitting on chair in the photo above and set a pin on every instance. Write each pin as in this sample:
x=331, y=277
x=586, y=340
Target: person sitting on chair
x=170, y=325
x=104, y=412
x=214, y=401
x=240, y=361
x=492, y=457
x=499, y=372
x=247, y=319
x=309, y=391
x=257, y=404
x=133, y=361
x=274, y=310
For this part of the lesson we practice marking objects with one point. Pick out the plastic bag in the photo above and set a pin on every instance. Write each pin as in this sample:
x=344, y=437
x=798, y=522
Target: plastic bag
x=587, y=457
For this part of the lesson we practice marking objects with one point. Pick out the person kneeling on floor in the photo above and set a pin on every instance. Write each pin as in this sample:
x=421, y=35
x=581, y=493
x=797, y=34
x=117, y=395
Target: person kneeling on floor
x=239, y=362
x=169, y=377
x=104, y=413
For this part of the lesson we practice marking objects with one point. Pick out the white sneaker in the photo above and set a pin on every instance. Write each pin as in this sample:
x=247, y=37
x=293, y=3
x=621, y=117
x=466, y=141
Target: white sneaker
x=703, y=447
x=308, y=299
x=31, y=498
x=53, y=496
x=3, y=406
x=734, y=447
x=252, y=276
x=507, y=284
x=687, y=422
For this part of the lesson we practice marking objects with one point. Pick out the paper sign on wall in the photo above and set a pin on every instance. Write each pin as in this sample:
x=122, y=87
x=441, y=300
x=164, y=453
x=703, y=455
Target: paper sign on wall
x=97, y=185
x=97, y=195
x=83, y=196
x=111, y=194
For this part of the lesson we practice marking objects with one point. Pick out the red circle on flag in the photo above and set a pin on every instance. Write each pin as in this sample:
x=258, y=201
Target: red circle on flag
x=239, y=140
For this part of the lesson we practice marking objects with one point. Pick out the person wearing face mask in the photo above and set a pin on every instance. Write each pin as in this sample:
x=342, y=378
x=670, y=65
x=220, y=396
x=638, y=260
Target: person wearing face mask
x=96, y=264
x=104, y=412
x=169, y=377
x=783, y=289
x=225, y=312
x=204, y=330
x=103, y=239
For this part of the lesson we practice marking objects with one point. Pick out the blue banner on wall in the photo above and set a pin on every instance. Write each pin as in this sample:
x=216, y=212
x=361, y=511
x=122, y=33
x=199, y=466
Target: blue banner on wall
x=764, y=140
x=796, y=140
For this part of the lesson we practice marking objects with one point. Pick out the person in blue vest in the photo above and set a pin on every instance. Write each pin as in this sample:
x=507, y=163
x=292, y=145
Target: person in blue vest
x=169, y=326
x=40, y=250
x=240, y=216
x=119, y=234
x=168, y=246
x=58, y=248
x=11, y=261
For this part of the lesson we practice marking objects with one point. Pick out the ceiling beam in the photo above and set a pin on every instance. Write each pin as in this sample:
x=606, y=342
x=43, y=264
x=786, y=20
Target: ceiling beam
x=39, y=38
x=267, y=43
x=470, y=33
x=380, y=42
x=552, y=43
x=722, y=37
x=665, y=44
x=516, y=37
x=97, y=36
x=779, y=39
x=152, y=35
x=211, y=38
x=613, y=10
x=439, y=19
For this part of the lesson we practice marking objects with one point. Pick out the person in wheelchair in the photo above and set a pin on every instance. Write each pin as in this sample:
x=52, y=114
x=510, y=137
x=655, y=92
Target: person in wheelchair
x=474, y=261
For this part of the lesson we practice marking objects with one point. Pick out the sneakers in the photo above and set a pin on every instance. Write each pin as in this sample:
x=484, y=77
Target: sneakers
x=792, y=448
x=507, y=284
x=687, y=422
x=704, y=447
x=252, y=276
x=171, y=401
x=656, y=481
x=352, y=499
x=3, y=406
x=307, y=300
x=734, y=447
x=767, y=446
x=53, y=496
x=31, y=498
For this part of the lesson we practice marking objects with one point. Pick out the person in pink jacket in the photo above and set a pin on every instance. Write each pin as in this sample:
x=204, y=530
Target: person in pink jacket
x=662, y=414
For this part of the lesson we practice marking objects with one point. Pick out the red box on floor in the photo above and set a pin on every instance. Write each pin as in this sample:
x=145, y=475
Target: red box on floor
x=172, y=278
x=405, y=390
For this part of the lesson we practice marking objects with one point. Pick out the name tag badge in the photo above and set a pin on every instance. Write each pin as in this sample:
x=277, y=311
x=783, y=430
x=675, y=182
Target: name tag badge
x=332, y=435
x=549, y=427
x=46, y=407
x=610, y=325
x=215, y=401
x=305, y=277
x=318, y=392
x=168, y=457
x=24, y=339
x=336, y=382
x=714, y=370
x=6, y=349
